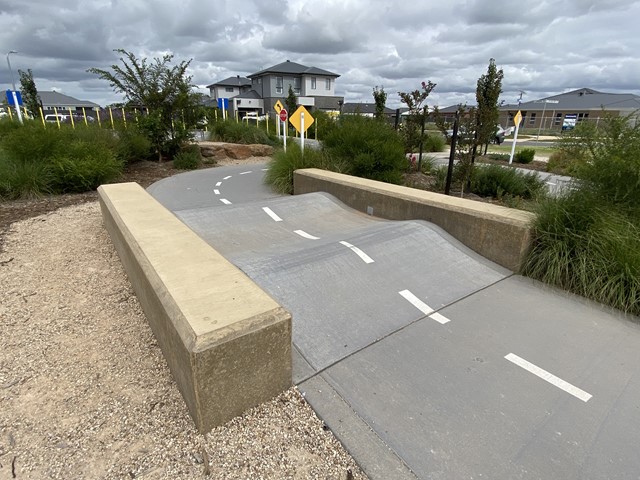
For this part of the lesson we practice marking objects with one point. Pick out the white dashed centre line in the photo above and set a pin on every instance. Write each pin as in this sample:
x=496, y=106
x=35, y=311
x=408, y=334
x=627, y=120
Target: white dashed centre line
x=227, y=177
x=304, y=234
x=225, y=201
x=366, y=258
x=416, y=302
x=439, y=318
x=244, y=173
x=548, y=377
x=216, y=191
x=272, y=214
x=265, y=169
x=218, y=184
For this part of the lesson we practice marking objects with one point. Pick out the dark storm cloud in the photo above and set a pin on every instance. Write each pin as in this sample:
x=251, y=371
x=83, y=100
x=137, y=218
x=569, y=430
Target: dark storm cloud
x=544, y=47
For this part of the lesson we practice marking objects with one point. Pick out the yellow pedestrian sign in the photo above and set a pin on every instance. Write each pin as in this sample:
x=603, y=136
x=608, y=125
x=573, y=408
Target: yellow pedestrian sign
x=296, y=120
x=278, y=106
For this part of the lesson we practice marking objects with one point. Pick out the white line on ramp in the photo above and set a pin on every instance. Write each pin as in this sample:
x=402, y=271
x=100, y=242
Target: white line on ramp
x=216, y=191
x=227, y=177
x=366, y=258
x=244, y=173
x=548, y=377
x=272, y=214
x=416, y=302
x=304, y=234
x=225, y=201
x=218, y=184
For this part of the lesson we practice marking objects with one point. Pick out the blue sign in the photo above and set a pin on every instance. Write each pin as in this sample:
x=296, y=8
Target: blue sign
x=223, y=103
x=10, y=98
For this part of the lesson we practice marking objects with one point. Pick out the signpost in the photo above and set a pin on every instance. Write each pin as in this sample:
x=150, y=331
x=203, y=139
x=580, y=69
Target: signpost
x=223, y=104
x=516, y=120
x=301, y=119
x=278, y=107
x=283, y=119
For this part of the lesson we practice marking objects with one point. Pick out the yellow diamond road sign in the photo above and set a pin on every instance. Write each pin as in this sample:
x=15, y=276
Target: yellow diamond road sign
x=278, y=106
x=517, y=119
x=295, y=118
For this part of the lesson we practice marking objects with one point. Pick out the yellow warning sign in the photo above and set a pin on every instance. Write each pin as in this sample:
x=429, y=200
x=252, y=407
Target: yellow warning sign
x=295, y=119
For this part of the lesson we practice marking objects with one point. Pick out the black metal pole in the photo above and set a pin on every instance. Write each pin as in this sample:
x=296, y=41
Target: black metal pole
x=397, y=119
x=424, y=118
x=452, y=153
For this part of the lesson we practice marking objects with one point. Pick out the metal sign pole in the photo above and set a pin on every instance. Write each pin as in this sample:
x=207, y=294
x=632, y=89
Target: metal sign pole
x=302, y=131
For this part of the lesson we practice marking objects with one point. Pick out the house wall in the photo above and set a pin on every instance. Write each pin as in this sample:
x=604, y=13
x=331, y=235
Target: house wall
x=553, y=118
x=320, y=90
x=219, y=91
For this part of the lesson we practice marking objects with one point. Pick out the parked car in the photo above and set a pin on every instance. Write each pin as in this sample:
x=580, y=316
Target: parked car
x=497, y=139
x=51, y=118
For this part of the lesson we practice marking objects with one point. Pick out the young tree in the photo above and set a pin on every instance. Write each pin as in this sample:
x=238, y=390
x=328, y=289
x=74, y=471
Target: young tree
x=380, y=99
x=291, y=102
x=487, y=92
x=163, y=89
x=29, y=92
x=414, y=126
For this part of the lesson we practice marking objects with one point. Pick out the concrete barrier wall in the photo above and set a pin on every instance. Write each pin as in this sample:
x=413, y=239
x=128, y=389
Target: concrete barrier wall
x=227, y=343
x=500, y=234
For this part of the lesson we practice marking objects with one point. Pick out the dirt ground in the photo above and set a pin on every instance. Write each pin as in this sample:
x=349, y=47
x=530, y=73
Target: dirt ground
x=85, y=392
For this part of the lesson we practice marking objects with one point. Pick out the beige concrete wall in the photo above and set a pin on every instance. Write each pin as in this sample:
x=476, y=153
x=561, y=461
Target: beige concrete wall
x=500, y=234
x=227, y=343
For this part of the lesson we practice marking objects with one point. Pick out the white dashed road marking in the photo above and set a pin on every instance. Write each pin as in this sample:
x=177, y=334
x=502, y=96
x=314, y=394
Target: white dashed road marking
x=225, y=201
x=439, y=318
x=216, y=191
x=552, y=379
x=227, y=177
x=244, y=173
x=416, y=302
x=218, y=184
x=304, y=234
x=271, y=213
x=366, y=258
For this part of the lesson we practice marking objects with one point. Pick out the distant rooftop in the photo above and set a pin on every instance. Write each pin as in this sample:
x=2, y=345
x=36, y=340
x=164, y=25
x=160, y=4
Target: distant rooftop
x=236, y=81
x=289, y=67
x=57, y=99
x=364, y=108
x=582, y=99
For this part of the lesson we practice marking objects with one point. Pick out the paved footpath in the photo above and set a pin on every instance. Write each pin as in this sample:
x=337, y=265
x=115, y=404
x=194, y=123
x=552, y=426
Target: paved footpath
x=426, y=360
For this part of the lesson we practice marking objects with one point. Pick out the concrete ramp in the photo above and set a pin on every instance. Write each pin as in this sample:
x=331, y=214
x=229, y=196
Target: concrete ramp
x=349, y=279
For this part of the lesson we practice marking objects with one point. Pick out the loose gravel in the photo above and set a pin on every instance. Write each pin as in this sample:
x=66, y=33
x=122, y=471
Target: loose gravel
x=85, y=392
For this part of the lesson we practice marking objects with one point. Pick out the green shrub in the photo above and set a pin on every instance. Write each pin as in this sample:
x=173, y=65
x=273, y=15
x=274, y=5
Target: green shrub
x=133, y=146
x=280, y=172
x=587, y=248
x=372, y=148
x=188, y=159
x=525, y=155
x=497, y=181
x=563, y=162
x=23, y=179
x=502, y=157
x=434, y=142
x=238, y=132
x=324, y=124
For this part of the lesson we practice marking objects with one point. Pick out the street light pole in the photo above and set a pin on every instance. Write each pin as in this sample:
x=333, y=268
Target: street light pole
x=13, y=84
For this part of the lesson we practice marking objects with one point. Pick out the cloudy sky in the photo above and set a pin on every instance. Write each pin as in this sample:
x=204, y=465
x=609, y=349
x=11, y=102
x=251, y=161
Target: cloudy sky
x=544, y=47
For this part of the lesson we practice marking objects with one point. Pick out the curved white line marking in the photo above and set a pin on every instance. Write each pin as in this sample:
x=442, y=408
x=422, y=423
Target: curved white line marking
x=272, y=214
x=548, y=377
x=304, y=234
x=416, y=302
x=225, y=201
x=366, y=258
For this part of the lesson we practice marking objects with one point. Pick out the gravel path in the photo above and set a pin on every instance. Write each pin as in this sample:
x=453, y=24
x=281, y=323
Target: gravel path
x=85, y=392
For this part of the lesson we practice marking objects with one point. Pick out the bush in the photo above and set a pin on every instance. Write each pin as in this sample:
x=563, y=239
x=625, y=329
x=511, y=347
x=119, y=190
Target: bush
x=497, y=181
x=233, y=132
x=133, y=146
x=587, y=248
x=563, y=162
x=188, y=159
x=371, y=147
x=502, y=157
x=525, y=155
x=433, y=142
x=280, y=172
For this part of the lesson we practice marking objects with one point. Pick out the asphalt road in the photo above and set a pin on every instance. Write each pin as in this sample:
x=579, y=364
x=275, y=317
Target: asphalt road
x=426, y=360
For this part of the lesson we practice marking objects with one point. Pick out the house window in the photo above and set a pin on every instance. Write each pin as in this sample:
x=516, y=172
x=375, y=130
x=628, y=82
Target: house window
x=558, y=119
x=328, y=84
x=296, y=85
x=279, y=88
x=313, y=83
x=532, y=119
x=228, y=89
